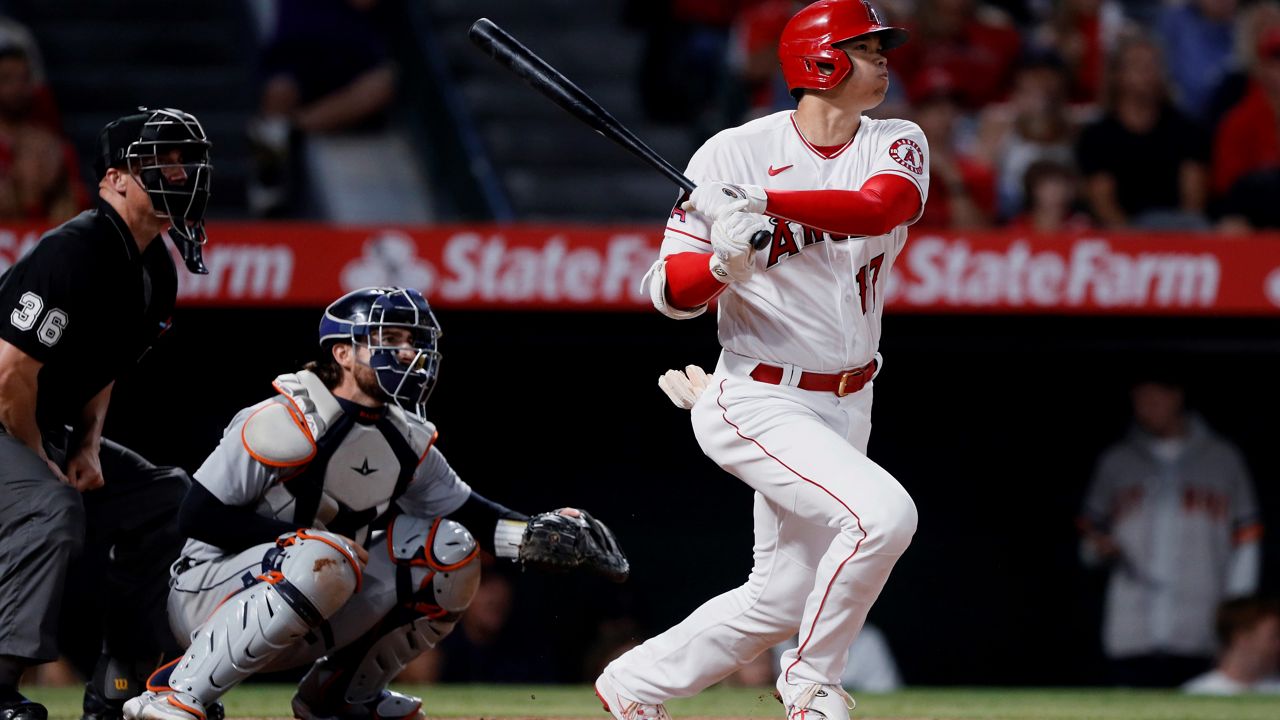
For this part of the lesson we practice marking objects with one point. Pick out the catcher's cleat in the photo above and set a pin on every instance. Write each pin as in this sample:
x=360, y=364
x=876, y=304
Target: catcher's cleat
x=624, y=709
x=816, y=702
x=167, y=705
x=20, y=708
x=389, y=705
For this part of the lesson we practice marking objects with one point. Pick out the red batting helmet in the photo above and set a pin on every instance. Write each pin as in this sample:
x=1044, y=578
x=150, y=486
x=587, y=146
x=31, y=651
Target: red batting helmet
x=809, y=37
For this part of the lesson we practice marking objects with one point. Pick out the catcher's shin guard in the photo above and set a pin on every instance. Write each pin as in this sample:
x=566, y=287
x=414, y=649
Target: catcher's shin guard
x=315, y=574
x=434, y=563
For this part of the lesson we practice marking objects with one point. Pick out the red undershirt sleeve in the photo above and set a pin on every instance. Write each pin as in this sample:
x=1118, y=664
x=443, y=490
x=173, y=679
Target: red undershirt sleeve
x=884, y=202
x=690, y=283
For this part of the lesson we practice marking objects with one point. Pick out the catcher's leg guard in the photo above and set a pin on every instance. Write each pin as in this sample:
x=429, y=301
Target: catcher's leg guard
x=309, y=576
x=436, y=577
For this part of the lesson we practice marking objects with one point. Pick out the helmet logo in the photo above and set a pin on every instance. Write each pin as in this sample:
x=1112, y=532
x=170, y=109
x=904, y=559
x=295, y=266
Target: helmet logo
x=908, y=154
x=872, y=16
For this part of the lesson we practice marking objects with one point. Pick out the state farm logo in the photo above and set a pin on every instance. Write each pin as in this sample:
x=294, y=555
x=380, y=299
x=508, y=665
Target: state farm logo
x=1089, y=273
x=473, y=267
x=907, y=153
x=239, y=272
x=389, y=258
x=1272, y=287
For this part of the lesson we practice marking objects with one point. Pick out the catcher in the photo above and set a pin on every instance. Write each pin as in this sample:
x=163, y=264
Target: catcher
x=326, y=528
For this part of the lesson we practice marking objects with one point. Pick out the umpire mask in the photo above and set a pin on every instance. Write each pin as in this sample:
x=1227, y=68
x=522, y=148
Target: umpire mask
x=167, y=152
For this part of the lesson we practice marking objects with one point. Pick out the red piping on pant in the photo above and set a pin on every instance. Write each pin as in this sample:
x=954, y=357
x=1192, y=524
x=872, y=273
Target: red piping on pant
x=799, y=651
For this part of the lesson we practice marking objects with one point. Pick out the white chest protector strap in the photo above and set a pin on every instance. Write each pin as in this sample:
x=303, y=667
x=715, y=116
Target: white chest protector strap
x=316, y=575
x=436, y=577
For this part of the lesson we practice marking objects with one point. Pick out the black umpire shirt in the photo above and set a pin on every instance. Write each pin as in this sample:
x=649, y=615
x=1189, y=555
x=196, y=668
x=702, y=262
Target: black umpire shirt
x=87, y=304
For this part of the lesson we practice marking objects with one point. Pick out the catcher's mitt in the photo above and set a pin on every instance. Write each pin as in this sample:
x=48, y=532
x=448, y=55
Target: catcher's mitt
x=557, y=543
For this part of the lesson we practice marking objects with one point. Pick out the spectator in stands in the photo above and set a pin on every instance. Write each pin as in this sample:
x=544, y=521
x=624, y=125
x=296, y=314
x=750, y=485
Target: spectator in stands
x=1246, y=157
x=1083, y=33
x=1249, y=659
x=962, y=193
x=327, y=69
x=683, y=72
x=1145, y=164
x=979, y=50
x=1171, y=513
x=754, y=56
x=39, y=174
x=1198, y=37
x=1034, y=125
x=1052, y=199
x=1251, y=23
x=44, y=111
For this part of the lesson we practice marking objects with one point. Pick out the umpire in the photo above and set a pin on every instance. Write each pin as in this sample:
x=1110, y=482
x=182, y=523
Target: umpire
x=82, y=516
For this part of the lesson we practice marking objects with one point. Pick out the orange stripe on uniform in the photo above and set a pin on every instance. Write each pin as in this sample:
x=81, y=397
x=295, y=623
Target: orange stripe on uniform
x=430, y=444
x=1247, y=534
x=179, y=704
x=162, y=668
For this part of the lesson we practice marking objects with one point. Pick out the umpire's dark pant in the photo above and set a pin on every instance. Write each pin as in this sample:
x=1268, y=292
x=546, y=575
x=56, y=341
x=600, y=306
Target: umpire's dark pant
x=95, y=562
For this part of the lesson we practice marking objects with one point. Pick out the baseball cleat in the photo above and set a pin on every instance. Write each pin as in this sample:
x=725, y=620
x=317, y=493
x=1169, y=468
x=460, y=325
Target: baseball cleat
x=389, y=705
x=816, y=702
x=20, y=708
x=167, y=705
x=624, y=709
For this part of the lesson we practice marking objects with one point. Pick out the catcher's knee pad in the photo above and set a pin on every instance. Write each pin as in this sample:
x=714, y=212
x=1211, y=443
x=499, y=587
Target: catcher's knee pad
x=436, y=575
x=308, y=577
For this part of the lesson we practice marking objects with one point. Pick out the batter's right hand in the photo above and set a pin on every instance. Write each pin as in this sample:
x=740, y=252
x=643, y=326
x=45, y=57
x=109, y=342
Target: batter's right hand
x=718, y=200
x=684, y=388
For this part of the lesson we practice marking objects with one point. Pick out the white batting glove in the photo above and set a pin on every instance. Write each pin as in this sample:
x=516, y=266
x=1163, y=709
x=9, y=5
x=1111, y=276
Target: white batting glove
x=731, y=250
x=717, y=200
x=684, y=388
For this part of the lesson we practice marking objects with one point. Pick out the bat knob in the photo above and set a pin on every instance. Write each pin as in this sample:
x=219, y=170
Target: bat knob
x=761, y=239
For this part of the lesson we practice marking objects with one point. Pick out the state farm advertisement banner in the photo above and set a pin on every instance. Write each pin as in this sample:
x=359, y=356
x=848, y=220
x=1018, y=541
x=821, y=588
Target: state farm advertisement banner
x=600, y=267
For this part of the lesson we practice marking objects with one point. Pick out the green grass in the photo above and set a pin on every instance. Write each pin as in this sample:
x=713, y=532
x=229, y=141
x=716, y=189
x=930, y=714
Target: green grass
x=526, y=701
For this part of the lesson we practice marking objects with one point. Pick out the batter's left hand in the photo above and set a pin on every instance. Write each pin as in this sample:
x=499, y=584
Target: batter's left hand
x=718, y=200
x=84, y=470
x=684, y=388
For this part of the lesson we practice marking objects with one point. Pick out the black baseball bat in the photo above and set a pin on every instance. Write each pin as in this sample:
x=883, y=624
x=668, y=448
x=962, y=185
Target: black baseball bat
x=539, y=75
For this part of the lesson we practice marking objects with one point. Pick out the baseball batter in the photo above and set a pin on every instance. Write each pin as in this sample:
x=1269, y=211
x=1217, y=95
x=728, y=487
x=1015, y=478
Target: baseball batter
x=788, y=409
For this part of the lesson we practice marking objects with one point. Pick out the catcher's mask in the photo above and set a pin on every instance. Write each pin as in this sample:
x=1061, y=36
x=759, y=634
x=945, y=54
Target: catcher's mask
x=167, y=153
x=406, y=371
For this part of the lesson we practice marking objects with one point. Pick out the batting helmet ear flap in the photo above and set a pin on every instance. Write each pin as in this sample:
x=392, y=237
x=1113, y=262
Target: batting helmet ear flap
x=809, y=40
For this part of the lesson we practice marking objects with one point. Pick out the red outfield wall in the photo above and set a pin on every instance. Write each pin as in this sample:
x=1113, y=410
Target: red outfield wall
x=599, y=268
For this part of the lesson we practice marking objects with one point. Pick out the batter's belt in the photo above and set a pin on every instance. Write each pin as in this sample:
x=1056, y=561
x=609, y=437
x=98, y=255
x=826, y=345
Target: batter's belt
x=841, y=383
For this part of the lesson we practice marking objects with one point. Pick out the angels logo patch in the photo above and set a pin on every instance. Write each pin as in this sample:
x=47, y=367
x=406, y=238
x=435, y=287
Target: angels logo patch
x=908, y=154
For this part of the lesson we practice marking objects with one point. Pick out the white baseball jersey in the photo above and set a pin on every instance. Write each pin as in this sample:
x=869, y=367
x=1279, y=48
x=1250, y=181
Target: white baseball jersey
x=815, y=300
x=302, y=458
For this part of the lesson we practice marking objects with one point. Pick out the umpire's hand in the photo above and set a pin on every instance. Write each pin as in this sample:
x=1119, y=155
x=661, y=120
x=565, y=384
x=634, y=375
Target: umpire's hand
x=84, y=470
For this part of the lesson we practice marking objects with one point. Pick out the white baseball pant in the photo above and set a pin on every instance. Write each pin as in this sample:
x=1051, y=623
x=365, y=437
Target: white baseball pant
x=829, y=526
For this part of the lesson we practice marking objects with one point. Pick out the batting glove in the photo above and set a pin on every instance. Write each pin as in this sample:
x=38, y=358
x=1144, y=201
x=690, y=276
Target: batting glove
x=684, y=388
x=718, y=200
x=731, y=250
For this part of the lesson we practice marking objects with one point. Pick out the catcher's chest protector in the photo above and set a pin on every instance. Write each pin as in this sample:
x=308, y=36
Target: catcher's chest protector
x=362, y=463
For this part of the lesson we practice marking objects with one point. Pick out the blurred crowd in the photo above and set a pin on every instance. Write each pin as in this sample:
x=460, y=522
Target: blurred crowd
x=1041, y=115
x=39, y=171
